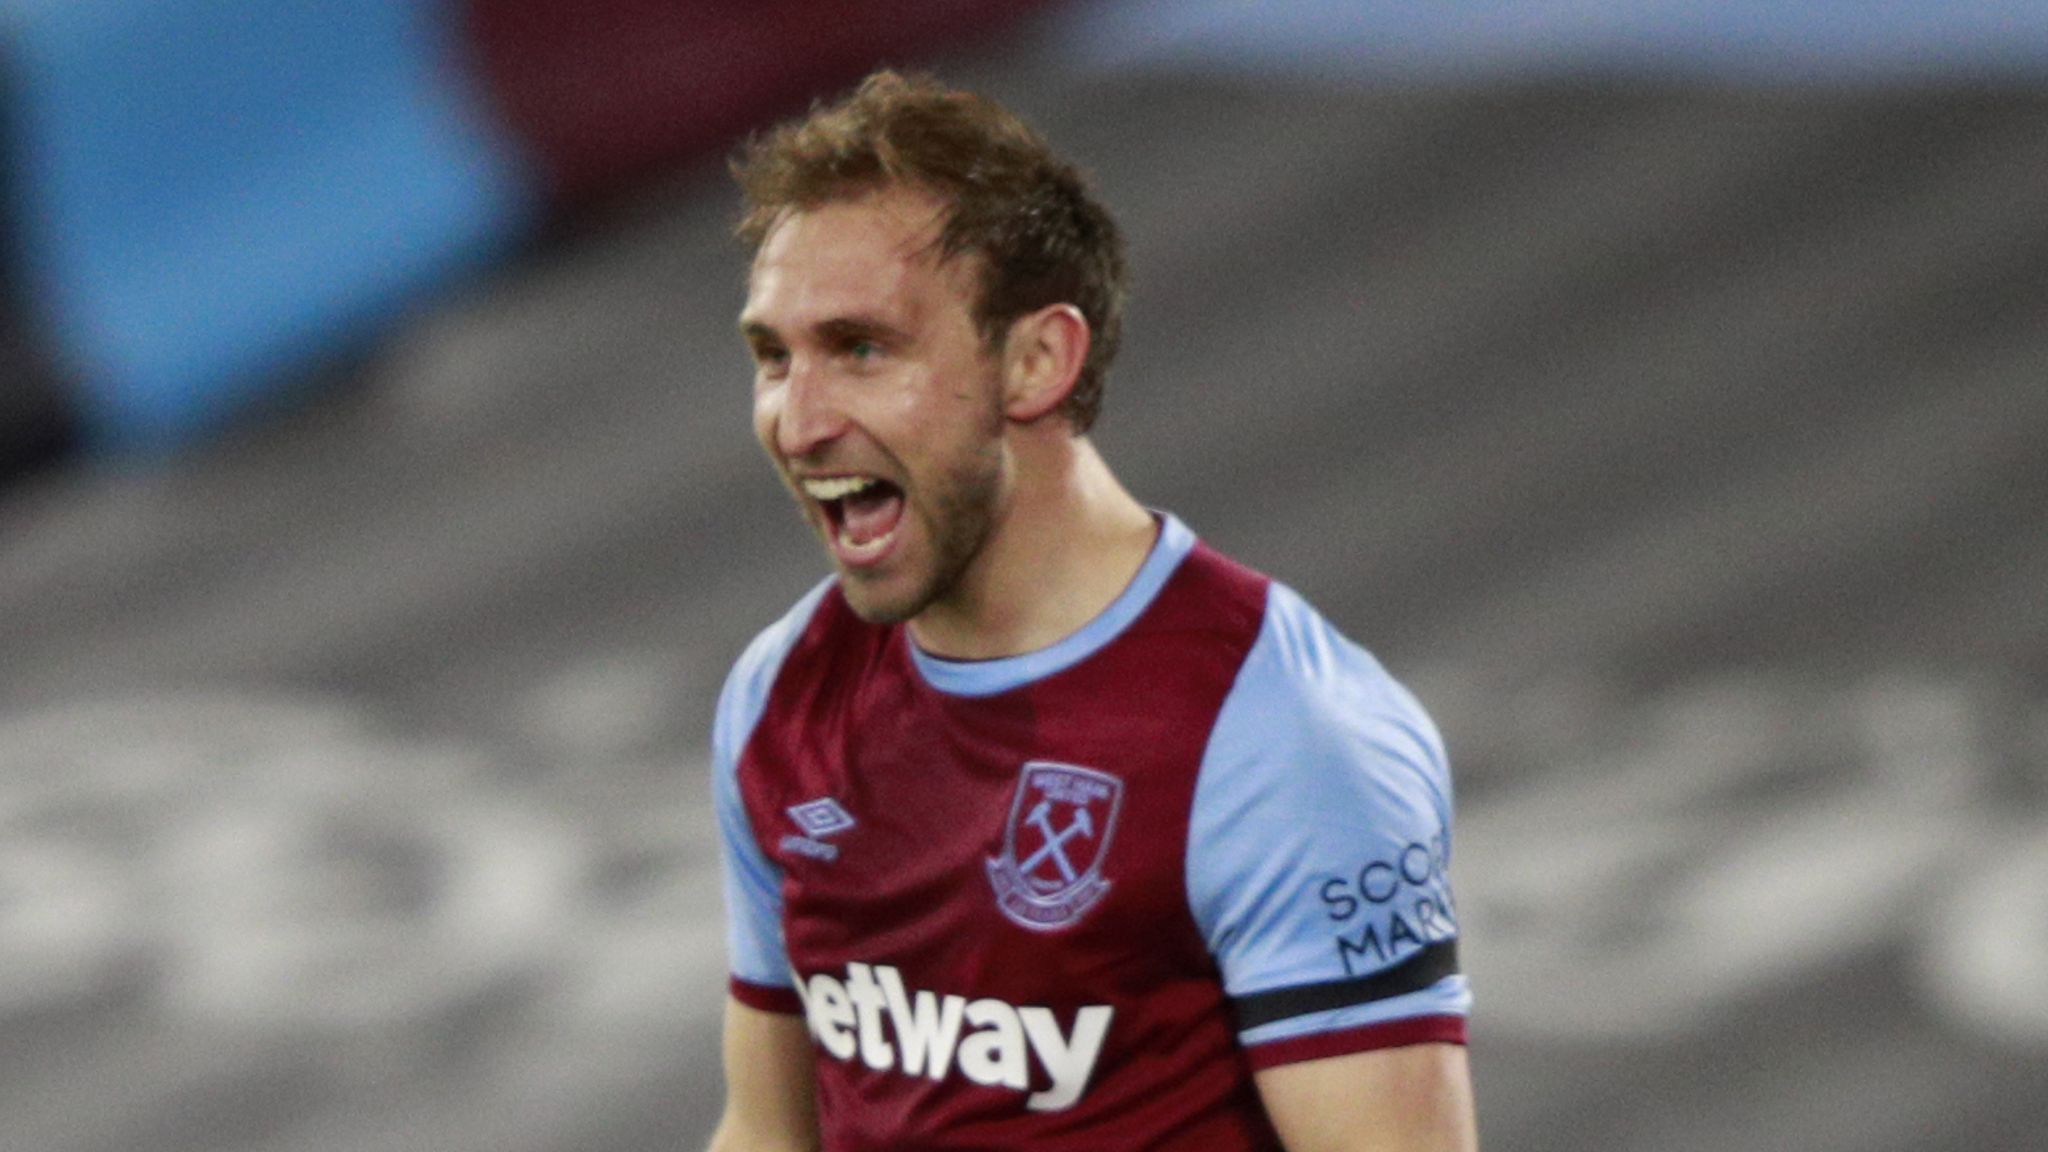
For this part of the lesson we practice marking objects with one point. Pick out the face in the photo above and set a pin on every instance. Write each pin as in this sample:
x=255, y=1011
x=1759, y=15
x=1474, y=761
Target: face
x=876, y=398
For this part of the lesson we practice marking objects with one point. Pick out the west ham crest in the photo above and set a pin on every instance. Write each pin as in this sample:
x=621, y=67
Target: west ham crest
x=1050, y=870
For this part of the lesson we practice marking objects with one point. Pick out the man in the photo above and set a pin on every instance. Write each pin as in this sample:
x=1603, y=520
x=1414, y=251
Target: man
x=1046, y=826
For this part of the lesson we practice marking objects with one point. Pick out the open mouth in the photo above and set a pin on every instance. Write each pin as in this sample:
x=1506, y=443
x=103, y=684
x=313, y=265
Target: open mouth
x=864, y=512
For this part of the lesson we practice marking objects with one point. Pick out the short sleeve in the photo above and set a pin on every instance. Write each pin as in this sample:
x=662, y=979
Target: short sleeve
x=756, y=954
x=1318, y=851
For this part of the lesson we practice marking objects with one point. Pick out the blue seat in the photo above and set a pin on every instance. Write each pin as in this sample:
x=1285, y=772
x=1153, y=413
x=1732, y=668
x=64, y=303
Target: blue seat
x=213, y=195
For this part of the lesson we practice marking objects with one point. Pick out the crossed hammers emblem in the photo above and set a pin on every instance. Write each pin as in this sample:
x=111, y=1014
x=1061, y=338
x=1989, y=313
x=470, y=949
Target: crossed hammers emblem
x=1042, y=903
x=1055, y=846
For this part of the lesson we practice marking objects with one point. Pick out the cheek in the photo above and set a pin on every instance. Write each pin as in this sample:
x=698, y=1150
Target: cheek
x=959, y=401
x=767, y=410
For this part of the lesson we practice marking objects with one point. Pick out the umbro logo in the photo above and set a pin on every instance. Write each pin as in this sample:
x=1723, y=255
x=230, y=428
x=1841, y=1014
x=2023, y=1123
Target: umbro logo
x=819, y=819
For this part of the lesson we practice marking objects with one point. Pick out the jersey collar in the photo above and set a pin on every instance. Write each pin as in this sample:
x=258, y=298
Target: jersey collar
x=989, y=677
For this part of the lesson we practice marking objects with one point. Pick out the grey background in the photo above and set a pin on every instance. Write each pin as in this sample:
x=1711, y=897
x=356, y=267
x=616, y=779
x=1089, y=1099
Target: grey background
x=1684, y=446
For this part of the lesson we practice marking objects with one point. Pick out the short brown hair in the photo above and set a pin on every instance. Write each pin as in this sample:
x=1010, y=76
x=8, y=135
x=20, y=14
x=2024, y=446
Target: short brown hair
x=1042, y=236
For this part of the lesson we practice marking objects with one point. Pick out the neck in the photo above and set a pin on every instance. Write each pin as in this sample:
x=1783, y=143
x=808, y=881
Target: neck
x=1066, y=543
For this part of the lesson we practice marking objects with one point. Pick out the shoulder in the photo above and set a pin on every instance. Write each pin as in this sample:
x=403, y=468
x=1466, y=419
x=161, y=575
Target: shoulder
x=747, y=686
x=1211, y=591
x=1310, y=698
x=1318, y=846
x=1320, y=764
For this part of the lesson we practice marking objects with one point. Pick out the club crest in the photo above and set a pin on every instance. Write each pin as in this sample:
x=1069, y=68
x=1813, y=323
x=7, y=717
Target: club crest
x=1050, y=870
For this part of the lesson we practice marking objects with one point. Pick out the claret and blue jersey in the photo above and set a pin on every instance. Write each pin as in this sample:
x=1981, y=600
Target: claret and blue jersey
x=1075, y=898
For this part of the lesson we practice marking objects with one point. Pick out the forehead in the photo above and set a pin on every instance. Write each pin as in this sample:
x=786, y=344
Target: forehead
x=876, y=255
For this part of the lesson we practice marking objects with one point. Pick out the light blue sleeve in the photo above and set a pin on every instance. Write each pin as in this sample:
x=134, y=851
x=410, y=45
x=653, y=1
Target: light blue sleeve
x=753, y=883
x=1319, y=840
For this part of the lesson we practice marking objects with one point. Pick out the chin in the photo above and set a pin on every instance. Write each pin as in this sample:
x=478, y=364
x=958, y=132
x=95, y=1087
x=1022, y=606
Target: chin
x=876, y=606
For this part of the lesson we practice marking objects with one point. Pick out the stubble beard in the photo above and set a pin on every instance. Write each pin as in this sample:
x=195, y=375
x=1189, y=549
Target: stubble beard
x=958, y=516
x=958, y=511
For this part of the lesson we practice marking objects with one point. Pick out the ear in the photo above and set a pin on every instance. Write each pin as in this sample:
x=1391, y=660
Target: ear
x=1042, y=358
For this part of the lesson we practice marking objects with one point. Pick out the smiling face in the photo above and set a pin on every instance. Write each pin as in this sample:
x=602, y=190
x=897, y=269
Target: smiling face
x=876, y=398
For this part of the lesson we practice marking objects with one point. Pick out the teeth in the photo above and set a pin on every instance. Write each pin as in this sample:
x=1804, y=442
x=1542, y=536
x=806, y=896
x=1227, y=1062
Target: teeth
x=837, y=488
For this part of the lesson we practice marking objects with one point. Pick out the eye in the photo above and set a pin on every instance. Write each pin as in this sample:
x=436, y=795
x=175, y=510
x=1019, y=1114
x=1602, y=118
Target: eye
x=770, y=359
x=863, y=350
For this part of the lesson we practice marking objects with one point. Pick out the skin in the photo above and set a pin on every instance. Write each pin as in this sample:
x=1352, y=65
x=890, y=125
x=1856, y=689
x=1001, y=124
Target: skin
x=1014, y=534
x=769, y=1103
x=1412, y=1099
x=868, y=363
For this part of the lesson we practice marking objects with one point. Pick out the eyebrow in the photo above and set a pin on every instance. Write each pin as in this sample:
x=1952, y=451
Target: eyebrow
x=859, y=328
x=837, y=328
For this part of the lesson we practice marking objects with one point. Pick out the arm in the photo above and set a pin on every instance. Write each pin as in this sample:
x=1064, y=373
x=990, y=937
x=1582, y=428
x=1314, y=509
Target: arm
x=1411, y=1099
x=769, y=1087
x=769, y=1105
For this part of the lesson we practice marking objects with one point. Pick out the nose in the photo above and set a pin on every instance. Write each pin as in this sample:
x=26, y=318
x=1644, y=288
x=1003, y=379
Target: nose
x=809, y=415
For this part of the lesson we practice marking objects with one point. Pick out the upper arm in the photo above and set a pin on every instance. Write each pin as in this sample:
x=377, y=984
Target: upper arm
x=1412, y=1099
x=753, y=883
x=1318, y=853
x=770, y=1092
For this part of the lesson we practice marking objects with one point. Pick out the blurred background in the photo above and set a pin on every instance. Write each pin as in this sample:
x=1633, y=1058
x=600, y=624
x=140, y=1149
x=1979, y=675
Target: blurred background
x=1660, y=388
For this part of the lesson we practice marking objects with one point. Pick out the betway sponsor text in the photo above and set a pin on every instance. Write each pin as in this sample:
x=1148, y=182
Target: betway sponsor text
x=870, y=1014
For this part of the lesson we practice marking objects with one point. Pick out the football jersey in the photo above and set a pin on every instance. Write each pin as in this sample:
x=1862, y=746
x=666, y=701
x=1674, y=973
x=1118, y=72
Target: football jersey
x=1075, y=898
